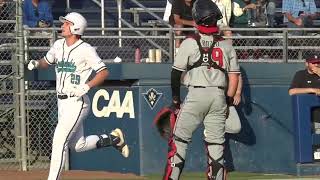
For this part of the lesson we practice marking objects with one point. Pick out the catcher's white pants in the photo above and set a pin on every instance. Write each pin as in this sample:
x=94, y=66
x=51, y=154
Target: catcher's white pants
x=69, y=132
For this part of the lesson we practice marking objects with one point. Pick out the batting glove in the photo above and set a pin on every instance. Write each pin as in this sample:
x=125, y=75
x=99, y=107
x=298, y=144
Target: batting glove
x=81, y=90
x=33, y=64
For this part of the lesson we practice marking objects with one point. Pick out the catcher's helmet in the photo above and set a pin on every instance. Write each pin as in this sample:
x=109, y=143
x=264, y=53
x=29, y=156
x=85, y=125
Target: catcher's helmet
x=206, y=13
x=79, y=22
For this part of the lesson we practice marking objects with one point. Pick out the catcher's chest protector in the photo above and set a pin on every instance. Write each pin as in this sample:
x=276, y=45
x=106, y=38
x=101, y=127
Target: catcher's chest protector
x=206, y=54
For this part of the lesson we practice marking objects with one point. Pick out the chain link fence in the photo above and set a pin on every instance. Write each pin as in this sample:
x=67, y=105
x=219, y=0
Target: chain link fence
x=274, y=45
x=41, y=121
x=41, y=106
x=8, y=136
x=252, y=45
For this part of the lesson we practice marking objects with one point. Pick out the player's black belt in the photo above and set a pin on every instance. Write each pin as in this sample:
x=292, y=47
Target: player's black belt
x=63, y=96
x=219, y=87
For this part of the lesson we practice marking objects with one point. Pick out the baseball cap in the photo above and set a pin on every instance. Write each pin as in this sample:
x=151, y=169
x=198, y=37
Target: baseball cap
x=313, y=58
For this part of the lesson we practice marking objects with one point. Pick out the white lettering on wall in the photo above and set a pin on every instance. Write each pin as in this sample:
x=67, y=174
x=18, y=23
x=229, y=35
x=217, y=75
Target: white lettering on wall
x=114, y=105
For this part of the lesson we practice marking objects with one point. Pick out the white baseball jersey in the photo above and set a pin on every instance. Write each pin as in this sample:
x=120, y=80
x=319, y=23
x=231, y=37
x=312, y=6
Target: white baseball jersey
x=74, y=64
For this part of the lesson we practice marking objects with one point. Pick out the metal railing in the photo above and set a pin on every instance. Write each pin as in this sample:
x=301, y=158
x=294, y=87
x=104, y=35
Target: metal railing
x=273, y=45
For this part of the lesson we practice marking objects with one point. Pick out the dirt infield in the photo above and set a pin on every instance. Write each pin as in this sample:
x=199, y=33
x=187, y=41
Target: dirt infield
x=68, y=175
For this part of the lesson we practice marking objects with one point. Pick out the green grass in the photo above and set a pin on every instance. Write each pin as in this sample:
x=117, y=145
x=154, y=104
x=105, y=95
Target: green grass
x=231, y=176
x=235, y=176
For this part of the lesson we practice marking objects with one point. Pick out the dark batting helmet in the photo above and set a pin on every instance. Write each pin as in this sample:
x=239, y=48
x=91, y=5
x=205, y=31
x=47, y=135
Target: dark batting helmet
x=206, y=15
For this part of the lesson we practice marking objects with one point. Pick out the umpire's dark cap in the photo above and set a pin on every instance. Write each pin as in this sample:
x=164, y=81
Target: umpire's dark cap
x=313, y=58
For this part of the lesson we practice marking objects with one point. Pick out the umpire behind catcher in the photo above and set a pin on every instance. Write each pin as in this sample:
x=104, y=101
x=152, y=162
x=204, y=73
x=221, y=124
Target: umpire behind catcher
x=211, y=66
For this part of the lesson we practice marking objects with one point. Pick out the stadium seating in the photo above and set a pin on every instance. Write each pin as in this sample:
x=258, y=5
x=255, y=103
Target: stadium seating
x=90, y=10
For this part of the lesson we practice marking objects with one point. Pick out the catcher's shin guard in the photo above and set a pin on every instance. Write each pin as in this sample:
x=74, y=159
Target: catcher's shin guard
x=215, y=169
x=175, y=163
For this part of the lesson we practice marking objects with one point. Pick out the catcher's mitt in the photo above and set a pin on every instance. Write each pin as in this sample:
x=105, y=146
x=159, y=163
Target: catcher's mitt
x=165, y=121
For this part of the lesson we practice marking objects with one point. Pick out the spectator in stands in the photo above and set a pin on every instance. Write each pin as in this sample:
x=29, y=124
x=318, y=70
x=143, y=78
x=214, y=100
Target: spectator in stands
x=181, y=17
x=37, y=13
x=263, y=14
x=240, y=17
x=224, y=6
x=228, y=9
x=271, y=10
x=257, y=13
x=167, y=11
x=299, y=13
x=224, y=21
x=252, y=12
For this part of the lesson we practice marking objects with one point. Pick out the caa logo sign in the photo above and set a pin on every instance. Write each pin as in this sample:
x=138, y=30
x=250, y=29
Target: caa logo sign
x=114, y=104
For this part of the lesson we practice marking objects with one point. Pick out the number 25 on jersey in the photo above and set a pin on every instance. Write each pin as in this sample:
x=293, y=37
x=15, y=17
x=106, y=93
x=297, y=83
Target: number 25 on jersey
x=75, y=79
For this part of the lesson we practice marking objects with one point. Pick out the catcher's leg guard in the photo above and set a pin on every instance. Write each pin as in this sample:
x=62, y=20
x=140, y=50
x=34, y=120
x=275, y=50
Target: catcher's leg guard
x=175, y=162
x=215, y=169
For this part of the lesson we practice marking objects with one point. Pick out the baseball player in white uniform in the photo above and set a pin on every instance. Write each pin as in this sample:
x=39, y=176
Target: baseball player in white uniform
x=74, y=62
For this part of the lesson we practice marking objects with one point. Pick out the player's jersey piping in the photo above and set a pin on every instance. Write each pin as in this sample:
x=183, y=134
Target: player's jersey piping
x=45, y=58
x=56, y=66
x=64, y=78
x=64, y=144
x=100, y=69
